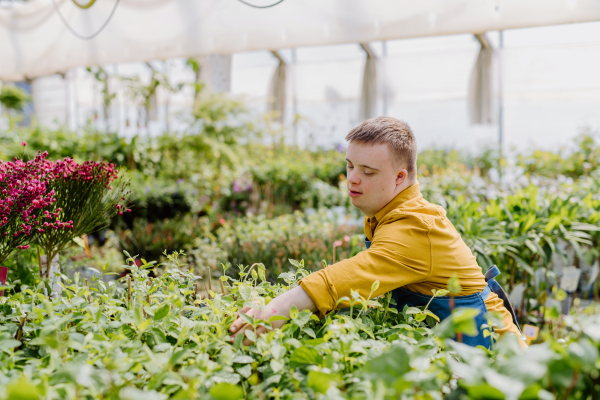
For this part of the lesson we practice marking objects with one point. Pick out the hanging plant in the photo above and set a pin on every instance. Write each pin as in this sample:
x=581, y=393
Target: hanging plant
x=85, y=202
x=24, y=195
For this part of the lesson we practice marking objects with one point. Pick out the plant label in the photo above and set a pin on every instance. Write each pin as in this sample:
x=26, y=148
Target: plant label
x=530, y=332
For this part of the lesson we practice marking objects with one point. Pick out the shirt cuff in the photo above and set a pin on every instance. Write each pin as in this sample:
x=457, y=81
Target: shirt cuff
x=321, y=291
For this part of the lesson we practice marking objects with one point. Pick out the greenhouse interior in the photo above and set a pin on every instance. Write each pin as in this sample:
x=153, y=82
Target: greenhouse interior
x=299, y=199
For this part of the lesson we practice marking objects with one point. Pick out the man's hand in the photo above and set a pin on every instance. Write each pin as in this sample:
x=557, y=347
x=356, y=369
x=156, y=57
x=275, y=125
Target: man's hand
x=280, y=305
x=240, y=325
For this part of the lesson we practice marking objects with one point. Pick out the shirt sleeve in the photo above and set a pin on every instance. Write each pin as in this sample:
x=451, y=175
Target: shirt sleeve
x=400, y=254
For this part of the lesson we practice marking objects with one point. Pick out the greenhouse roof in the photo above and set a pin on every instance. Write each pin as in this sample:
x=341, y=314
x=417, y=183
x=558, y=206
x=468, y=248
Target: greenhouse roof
x=43, y=37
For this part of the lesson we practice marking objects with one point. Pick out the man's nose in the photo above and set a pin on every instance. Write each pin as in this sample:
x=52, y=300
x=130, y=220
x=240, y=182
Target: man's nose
x=353, y=179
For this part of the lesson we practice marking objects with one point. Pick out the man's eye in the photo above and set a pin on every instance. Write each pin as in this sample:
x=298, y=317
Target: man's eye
x=368, y=174
x=349, y=166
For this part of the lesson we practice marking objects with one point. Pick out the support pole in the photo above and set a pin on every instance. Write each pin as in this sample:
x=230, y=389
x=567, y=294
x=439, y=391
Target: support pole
x=500, y=94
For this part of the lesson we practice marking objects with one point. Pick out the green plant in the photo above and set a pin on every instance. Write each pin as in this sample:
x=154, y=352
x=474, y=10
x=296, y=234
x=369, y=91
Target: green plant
x=161, y=340
x=85, y=198
x=13, y=98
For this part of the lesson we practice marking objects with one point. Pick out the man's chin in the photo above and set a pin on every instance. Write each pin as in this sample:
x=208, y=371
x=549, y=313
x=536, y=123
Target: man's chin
x=355, y=202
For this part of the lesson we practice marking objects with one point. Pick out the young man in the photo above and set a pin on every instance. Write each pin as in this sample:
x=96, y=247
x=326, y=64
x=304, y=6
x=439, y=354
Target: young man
x=412, y=247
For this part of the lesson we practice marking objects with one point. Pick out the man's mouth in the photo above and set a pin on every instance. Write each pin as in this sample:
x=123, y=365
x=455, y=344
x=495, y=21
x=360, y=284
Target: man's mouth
x=354, y=193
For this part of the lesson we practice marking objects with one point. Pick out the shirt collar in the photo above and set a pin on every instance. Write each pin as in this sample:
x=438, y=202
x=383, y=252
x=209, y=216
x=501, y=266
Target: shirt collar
x=407, y=194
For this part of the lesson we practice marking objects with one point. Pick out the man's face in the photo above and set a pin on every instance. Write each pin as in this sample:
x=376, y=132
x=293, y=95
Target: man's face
x=372, y=176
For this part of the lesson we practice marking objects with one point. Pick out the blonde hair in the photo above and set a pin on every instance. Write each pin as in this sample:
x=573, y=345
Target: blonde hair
x=395, y=133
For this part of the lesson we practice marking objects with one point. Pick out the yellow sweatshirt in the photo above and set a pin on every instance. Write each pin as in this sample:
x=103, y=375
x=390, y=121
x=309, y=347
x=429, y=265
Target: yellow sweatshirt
x=414, y=246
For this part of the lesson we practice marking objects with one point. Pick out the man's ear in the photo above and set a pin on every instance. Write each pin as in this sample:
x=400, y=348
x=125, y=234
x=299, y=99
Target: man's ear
x=401, y=177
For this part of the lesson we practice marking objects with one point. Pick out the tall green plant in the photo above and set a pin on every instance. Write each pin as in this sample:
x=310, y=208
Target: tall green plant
x=85, y=198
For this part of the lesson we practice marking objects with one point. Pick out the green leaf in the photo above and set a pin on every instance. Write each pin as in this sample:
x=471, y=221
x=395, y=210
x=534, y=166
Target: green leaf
x=454, y=286
x=247, y=318
x=309, y=332
x=345, y=298
x=22, y=389
x=553, y=223
x=278, y=318
x=420, y=317
x=245, y=371
x=7, y=344
x=320, y=382
x=432, y=315
x=294, y=312
x=245, y=292
x=243, y=359
x=177, y=356
x=375, y=286
x=226, y=391
x=303, y=356
x=250, y=334
x=389, y=366
x=484, y=391
x=162, y=312
x=276, y=365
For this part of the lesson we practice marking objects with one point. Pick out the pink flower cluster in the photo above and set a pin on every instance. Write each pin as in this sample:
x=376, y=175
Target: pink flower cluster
x=23, y=194
x=29, y=192
x=89, y=171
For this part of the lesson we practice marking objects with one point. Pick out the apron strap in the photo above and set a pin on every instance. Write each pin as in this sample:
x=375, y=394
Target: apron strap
x=495, y=287
x=491, y=273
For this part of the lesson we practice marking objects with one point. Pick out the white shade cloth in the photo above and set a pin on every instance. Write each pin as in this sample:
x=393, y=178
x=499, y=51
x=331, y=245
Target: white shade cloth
x=35, y=42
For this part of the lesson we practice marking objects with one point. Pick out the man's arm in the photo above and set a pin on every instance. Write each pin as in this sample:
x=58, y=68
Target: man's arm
x=281, y=305
x=397, y=257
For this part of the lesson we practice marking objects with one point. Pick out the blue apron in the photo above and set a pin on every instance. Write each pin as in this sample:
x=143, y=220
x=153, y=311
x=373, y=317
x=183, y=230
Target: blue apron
x=440, y=306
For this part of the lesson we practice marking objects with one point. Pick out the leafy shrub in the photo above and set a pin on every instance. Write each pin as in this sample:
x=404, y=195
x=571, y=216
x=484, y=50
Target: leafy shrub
x=163, y=341
x=152, y=239
x=274, y=241
x=576, y=160
x=13, y=98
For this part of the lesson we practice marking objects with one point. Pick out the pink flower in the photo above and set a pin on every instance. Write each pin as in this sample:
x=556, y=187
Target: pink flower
x=346, y=238
x=23, y=144
x=337, y=243
x=273, y=311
